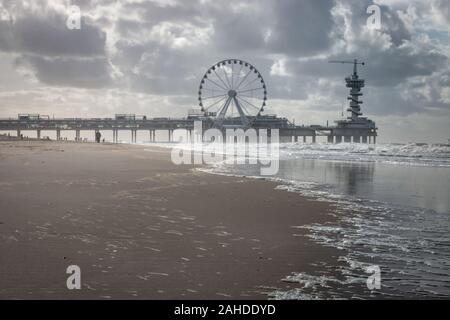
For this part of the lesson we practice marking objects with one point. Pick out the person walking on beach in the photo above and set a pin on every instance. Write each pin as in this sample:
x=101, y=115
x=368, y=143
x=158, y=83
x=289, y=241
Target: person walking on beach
x=98, y=136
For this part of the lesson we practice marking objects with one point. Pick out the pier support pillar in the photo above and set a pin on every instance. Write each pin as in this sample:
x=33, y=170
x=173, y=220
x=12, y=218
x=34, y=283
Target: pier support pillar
x=313, y=139
x=330, y=139
x=170, y=135
x=77, y=135
x=304, y=139
x=38, y=134
x=18, y=133
x=58, y=134
x=374, y=139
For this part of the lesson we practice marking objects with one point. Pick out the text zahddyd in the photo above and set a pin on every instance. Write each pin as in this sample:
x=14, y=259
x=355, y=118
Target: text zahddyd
x=240, y=309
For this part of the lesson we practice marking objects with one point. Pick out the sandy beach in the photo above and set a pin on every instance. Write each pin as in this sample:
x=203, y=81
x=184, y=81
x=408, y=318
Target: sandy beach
x=140, y=227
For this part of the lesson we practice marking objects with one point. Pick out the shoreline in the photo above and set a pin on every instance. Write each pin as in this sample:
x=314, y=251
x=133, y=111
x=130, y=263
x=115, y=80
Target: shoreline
x=141, y=227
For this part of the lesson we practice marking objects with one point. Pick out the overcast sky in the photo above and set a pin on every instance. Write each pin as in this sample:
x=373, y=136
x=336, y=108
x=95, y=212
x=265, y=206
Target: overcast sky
x=148, y=57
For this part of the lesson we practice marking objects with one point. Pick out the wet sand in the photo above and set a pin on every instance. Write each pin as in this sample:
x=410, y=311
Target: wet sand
x=140, y=227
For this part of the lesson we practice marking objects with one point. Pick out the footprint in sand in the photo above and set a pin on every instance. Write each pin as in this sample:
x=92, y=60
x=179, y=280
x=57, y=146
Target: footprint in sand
x=150, y=274
x=222, y=233
x=178, y=233
x=223, y=294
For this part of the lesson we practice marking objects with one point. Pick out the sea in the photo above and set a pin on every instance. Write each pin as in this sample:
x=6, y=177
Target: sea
x=390, y=223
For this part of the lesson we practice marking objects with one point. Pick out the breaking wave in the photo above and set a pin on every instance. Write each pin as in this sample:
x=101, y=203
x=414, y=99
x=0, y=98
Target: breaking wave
x=411, y=153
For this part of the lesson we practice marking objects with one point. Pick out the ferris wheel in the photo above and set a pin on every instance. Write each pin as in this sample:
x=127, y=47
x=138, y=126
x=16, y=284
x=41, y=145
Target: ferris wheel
x=232, y=91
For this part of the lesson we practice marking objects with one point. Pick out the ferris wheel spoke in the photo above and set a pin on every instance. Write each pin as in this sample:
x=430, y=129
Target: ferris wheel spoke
x=239, y=108
x=212, y=91
x=232, y=105
x=220, y=78
x=250, y=82
x=226, y=77
x=239, y=74
x=224, y=108
x=245, y=108
x=250, y=97
x=249, y=103
x=245, y=77
x=215, y=103
x=232, y=73
x=220, y=95
x=252, y=89
x=217, y=84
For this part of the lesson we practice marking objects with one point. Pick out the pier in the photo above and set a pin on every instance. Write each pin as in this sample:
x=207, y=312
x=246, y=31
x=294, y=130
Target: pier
x=227, y=100
x=288, y=132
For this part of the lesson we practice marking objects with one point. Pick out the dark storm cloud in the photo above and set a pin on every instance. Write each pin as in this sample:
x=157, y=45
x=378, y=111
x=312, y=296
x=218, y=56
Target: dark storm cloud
x=158, y=69
x=301, y=28
x=89, y=73
x=238, y=33
x=48, y=35
x=129, y=53
x=395, y=66
x=55, y=54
